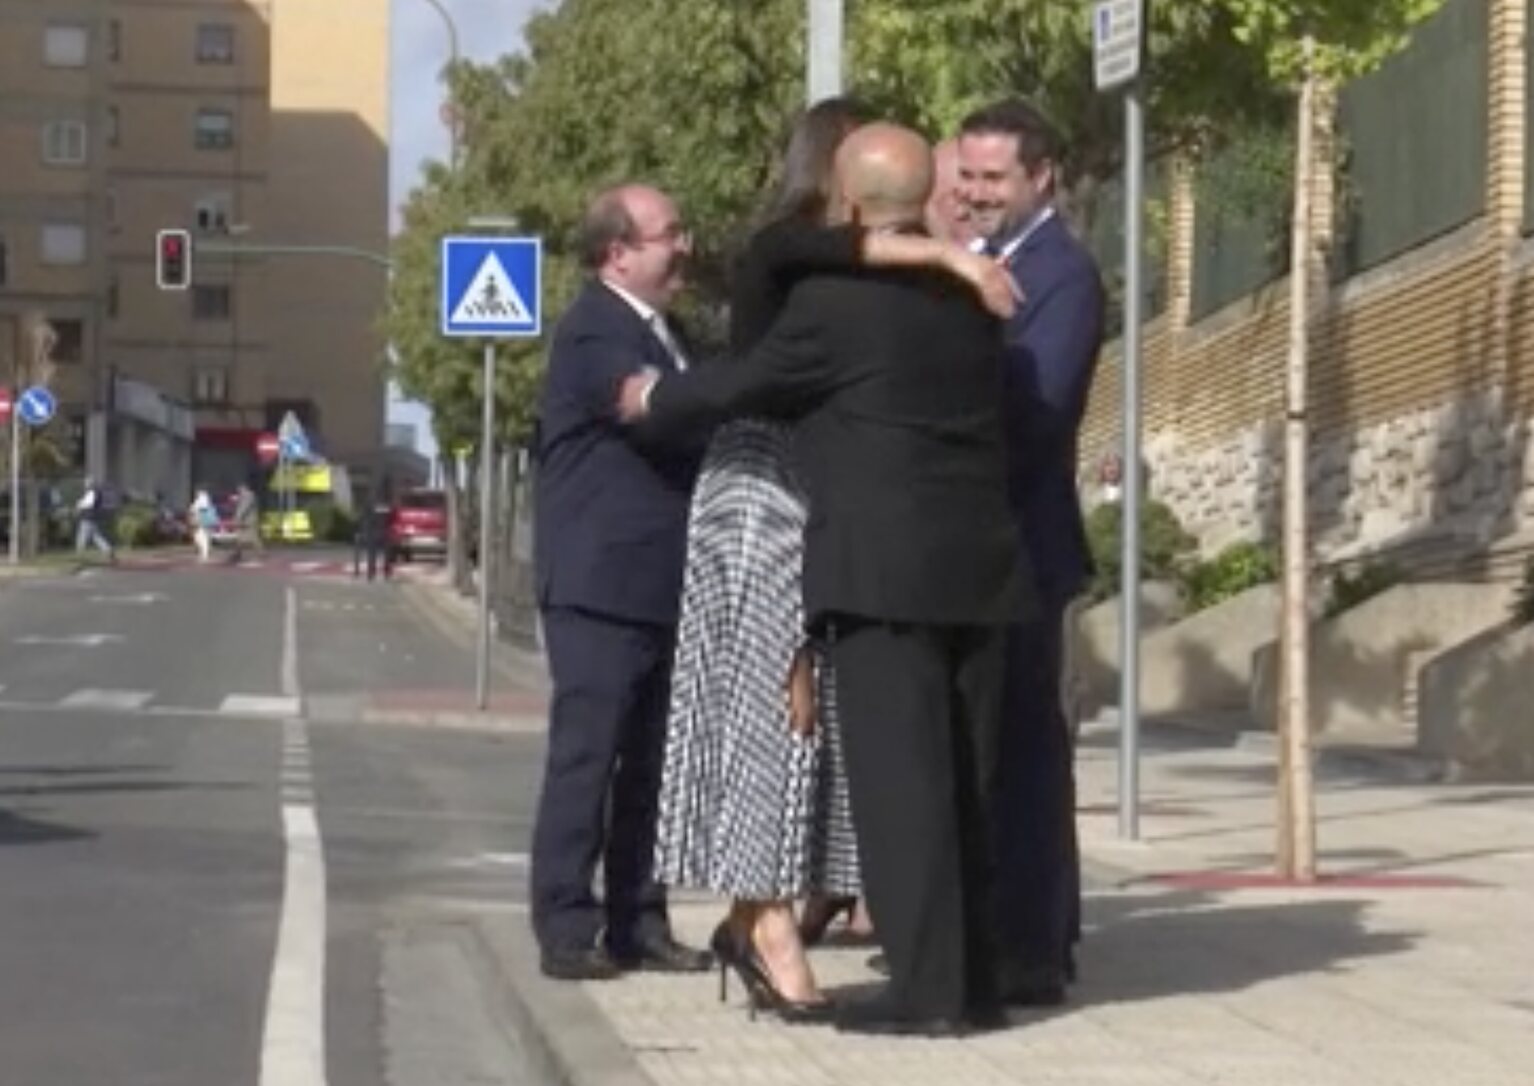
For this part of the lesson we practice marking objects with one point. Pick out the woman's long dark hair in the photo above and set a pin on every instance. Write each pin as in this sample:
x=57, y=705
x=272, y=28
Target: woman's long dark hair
x=804, y=181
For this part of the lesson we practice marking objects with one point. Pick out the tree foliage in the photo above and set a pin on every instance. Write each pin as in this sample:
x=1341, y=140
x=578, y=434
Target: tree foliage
x=694, y=95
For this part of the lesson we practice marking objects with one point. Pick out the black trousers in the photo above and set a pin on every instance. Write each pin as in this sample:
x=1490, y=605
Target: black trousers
x=1033, y=815
x=920, y=706
x=601, y=783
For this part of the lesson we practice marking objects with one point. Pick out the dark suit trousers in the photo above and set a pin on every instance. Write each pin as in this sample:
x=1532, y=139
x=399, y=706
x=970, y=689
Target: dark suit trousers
x=1033, y=823
x=607, y=730
x=920, y=706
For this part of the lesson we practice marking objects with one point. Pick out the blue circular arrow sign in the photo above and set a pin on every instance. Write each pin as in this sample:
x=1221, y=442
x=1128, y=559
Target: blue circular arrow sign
x=36, y=406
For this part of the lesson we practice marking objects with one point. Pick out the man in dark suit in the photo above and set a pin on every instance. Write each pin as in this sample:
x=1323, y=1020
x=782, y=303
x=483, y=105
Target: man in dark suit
x=610, y=540
x=1008, y=166
x=911, y=571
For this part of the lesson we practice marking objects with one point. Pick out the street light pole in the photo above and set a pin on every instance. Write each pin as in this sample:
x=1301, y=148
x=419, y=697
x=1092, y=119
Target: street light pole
x=824, y=50
x=456, y=55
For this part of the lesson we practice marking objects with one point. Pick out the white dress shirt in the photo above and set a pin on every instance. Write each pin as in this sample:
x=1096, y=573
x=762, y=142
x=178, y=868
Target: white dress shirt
x=657, y=322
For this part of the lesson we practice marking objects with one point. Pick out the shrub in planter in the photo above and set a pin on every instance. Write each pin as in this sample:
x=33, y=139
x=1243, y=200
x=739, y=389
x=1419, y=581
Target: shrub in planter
x=1164, y=544
x=1523, y=602
x=1229, y=573
x=1348, y=590
x=136, y=526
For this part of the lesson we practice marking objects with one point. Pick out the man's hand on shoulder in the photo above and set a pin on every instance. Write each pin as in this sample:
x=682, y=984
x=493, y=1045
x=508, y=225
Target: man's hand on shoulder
x=634, y=395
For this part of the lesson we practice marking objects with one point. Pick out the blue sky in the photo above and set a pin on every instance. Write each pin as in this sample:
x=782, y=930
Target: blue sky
x=486, y=29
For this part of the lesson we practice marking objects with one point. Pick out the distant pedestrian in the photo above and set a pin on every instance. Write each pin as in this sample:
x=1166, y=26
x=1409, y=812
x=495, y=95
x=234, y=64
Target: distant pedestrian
x=204, y=518
x=91, y=511
x=247, y=524
x=370, y=542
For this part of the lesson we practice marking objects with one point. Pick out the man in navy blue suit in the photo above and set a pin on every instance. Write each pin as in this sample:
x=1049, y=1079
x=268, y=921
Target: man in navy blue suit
x=1009, y=158
x=610, y=541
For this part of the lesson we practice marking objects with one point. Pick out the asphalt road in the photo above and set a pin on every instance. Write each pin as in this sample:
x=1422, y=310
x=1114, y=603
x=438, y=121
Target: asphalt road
x=198, y=886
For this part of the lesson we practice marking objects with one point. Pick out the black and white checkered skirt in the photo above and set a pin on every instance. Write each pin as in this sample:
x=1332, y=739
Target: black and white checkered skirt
x=748, y=809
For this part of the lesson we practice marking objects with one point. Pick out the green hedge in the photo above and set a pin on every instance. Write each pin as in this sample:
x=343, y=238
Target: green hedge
x=1349, y=590
x=1523, y=602
x=1164, y=545
x=1231, y=572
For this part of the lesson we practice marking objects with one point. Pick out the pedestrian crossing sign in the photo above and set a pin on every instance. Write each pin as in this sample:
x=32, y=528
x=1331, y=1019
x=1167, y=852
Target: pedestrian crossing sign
x=492, y=287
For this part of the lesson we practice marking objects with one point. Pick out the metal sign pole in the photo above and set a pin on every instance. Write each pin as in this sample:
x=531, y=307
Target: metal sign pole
x=15, y=544
x=1129, y=622
x=486, y=499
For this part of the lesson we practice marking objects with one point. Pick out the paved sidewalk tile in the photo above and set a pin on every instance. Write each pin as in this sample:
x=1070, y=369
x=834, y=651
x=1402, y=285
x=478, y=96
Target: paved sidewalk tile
x=1421, y=972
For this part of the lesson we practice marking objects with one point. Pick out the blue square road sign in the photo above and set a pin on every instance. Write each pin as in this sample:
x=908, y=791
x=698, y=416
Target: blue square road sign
x=492, y=287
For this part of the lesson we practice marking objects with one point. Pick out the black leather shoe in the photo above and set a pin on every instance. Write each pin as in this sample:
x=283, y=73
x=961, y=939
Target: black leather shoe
x=579, y=963
x=881, y=1016
x=663, y=956
x=1033, y=988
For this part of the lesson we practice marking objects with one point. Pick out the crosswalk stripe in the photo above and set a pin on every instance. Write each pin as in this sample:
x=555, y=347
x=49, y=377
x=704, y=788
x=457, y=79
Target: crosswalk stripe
x=259, y=705
x=122, y=700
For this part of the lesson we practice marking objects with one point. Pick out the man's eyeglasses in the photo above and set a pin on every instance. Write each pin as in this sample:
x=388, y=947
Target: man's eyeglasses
x=675, y=234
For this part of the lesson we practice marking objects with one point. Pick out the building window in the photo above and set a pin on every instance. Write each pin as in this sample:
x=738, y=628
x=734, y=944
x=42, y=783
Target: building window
x=66, y=45
x=210, y=385
x=111, y=210
x=5, y=263
x=215, y=130
x=63, y=243
x=69, y=346
x=114, y=297
x=115, y=40
x=114, y=126
x=211, y=303
x=213, y=213
x=64, y=143
x=215, y=43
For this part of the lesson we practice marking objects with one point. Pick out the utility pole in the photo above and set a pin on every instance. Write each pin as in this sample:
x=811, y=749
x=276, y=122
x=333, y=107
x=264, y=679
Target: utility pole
x=450, y=114
x=1297, y=822
x=824, y=49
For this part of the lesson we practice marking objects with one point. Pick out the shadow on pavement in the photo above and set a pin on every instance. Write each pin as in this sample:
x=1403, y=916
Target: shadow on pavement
x=1151, y=946
x=75, y=771
x=108, y=787
x=18, y=829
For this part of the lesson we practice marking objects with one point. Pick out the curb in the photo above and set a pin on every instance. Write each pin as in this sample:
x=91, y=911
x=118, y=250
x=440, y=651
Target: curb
x=1398, y=766
x=346, y=709
x=516, y=664
x=564, y=1036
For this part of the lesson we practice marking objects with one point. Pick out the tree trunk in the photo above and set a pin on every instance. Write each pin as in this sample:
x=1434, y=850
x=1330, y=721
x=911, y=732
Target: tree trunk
x=1297, y=830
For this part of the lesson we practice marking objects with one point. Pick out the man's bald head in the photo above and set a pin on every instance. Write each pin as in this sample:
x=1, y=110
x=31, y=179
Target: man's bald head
x=884, y=172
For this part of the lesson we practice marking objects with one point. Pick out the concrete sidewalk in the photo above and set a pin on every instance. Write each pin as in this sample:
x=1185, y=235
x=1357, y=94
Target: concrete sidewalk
x=1412, y=963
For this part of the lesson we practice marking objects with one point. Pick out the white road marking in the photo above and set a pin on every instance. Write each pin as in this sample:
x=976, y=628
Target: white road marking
x=259, y=705
x=91, y=641
x=139, y=598
x=290, y=645
x=293, y=1037
x=306, y=567
x=119, y=700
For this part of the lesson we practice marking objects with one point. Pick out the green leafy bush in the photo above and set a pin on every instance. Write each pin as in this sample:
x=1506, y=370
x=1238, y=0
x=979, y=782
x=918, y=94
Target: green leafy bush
x=1163, y=545
x=1523, y=602
x=1234, y=570
x=331, y=524
x=1349, y=590
x=136, y=526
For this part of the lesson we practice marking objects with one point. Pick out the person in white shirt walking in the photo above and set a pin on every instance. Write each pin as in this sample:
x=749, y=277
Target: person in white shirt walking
x=88, y=530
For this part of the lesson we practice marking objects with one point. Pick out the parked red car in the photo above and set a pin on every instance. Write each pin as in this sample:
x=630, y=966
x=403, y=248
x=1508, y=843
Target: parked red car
x=418, y=524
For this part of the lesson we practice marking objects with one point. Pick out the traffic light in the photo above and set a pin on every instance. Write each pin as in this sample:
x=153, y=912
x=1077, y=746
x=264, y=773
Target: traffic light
x=173, y=259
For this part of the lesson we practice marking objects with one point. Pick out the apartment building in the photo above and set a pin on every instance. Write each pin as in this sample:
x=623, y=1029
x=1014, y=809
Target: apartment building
x=247, y=122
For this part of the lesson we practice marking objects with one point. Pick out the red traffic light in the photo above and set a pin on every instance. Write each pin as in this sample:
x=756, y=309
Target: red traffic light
x=173, y=259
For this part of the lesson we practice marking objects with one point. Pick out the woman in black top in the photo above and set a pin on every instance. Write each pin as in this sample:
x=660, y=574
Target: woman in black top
x=753, y=800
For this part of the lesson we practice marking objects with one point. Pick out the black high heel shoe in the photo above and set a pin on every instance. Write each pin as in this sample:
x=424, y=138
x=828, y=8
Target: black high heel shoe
x=820, y=913
x=761, y=994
